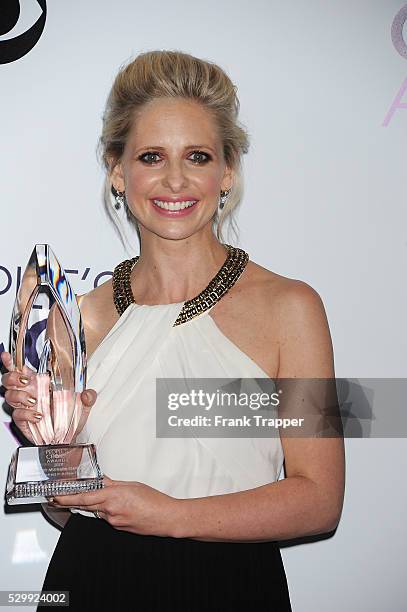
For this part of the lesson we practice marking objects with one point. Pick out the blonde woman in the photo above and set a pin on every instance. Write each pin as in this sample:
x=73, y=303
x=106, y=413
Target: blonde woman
x=187, y=523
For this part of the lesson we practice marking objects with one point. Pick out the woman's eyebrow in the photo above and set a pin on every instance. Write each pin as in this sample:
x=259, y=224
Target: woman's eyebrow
x=192, y=146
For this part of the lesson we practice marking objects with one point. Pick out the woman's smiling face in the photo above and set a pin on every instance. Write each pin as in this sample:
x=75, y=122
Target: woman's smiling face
x=173, y=152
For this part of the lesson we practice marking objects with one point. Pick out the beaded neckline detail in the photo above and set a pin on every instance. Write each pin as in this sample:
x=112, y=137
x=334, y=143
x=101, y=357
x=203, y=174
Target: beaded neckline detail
x=224, y=280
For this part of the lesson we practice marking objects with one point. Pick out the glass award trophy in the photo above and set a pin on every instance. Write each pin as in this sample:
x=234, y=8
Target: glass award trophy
x=47, y=336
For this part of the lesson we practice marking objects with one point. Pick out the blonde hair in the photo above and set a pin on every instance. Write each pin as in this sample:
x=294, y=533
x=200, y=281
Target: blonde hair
x=161, y=74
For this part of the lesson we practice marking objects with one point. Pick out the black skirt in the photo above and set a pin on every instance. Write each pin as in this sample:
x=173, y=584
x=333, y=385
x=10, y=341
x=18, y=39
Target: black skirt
x=105, y=568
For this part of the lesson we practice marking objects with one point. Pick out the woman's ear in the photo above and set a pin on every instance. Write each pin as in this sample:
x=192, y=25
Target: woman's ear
x=228, y=179
x=117, y=176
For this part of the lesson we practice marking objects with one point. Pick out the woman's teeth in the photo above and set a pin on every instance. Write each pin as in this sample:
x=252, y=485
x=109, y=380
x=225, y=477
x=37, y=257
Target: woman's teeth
x=174, y=205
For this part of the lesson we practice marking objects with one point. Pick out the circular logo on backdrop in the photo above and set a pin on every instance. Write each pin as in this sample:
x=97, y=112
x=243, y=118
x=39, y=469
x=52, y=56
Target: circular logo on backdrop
x=397, y=31
x=13, y=49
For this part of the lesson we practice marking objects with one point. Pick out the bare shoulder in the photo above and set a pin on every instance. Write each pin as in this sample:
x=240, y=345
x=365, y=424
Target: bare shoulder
x=279, y=295
x=295, y=316
x=98, y=314
x=265, y=314
x=98, y=297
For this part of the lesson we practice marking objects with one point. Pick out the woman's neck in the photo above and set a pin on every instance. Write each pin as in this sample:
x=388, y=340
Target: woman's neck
x=172, y=271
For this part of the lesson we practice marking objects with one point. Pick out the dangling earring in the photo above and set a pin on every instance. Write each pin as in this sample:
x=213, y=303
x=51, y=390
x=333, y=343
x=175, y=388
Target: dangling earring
x=120, y=198
x=223, y=197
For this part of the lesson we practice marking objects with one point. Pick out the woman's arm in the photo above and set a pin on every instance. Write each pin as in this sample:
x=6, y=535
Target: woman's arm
x=309, y=500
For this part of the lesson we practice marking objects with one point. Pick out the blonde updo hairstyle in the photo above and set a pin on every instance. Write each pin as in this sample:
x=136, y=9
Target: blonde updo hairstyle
x=172, y=74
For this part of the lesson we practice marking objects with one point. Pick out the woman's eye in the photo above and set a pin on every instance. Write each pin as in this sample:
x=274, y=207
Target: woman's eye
x=150, y=157
x=202, y=157
x=147, y=157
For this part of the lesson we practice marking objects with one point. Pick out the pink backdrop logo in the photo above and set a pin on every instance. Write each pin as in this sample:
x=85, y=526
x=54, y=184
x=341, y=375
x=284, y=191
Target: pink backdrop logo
x=401, y=47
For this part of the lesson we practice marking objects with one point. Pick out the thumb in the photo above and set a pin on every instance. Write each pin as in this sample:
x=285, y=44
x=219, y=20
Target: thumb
x=7, y=360
x=89, y=397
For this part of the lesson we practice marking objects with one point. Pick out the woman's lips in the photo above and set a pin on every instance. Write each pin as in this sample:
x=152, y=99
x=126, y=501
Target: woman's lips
x=174, y=213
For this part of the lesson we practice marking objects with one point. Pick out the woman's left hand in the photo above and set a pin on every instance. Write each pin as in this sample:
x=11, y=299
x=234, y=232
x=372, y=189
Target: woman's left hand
x=128, y=506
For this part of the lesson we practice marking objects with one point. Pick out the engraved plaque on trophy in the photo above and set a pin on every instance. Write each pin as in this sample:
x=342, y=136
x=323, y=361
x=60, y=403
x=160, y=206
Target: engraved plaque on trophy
x=47, y=336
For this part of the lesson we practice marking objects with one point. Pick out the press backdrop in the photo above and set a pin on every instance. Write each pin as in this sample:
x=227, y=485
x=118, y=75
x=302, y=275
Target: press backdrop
x=322, y=87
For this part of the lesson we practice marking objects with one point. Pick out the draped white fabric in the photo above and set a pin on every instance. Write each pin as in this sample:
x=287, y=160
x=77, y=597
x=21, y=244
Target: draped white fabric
x=143, y=346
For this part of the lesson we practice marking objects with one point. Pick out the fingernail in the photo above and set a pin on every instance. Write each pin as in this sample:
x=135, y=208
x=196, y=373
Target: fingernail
x=23, y=380
x=32, y=400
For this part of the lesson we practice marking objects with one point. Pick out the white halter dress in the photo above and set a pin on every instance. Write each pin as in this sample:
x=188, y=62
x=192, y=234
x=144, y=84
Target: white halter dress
x=144, y=345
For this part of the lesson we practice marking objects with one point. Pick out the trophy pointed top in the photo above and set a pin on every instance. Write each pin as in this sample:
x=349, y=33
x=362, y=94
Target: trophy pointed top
x=46, y=305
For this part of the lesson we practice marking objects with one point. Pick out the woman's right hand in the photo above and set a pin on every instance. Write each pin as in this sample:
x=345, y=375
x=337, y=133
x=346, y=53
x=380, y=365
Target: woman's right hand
x=21, y=396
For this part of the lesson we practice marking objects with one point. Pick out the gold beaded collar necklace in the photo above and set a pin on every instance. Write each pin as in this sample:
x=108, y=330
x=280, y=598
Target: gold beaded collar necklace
x=225, y=278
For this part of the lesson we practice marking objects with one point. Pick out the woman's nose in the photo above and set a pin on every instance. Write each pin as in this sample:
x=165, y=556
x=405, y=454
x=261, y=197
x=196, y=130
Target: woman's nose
x=175, y=177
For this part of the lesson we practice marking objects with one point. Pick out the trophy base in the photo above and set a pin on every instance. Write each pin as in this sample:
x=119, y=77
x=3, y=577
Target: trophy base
x=38, y=472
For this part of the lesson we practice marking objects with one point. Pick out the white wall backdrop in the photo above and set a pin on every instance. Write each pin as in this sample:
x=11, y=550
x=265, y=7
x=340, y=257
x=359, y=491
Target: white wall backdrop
x=324, y=202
